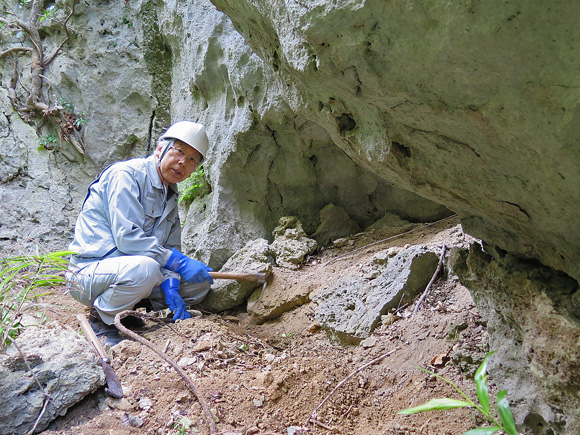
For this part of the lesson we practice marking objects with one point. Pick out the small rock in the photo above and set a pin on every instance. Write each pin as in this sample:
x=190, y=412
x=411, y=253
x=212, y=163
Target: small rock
x=340, y=243
x=131, y=420
x=182, y=397
x=185, y=423
x=258, y=403
x=389, y=319
x=184, y=362
x=195, y=313
x=369, y=342
x=203, y=346
x=120, y=404
x=296, y=430
x=145, y=403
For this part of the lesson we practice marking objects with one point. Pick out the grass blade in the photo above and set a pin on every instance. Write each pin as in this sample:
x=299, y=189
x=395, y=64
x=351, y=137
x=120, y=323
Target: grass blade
x=481, y=385
x=505, y=414
x=436, y=405
x=20, y=279
x=482, y=431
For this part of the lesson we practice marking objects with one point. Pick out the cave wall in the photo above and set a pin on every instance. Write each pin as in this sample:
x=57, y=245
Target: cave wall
x=471, y=104
x=266, y=160
x=533, y=320
x=102, y=73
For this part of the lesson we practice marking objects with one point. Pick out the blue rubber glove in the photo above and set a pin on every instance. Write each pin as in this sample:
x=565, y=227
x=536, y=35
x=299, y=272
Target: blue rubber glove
x=190, y=270
x=173, y=300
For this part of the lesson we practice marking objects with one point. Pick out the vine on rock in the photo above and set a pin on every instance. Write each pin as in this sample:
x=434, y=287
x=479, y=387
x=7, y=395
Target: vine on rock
x=31, y=101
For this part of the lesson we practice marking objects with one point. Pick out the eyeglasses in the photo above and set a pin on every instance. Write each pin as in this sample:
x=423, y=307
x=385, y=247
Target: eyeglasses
x=180, y=155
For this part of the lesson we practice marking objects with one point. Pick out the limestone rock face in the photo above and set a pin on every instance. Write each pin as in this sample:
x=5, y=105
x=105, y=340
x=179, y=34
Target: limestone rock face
x=102, y=73
x=533, y=322
x=449, y=102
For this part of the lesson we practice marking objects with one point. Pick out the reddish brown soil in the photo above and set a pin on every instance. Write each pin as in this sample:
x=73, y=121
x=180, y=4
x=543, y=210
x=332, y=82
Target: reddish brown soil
x=263, y=379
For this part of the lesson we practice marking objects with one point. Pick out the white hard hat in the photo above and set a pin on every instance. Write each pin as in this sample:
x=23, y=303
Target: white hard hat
x=191, y=133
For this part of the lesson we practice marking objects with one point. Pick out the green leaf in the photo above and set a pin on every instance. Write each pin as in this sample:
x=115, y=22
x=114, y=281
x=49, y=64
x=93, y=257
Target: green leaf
x=436, y=405
x=481, y=385
x=482, y=431
x=505, y=413
x=60, y=253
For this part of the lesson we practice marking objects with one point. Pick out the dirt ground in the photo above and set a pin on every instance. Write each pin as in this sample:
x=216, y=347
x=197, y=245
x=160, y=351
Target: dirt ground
x=271, y=378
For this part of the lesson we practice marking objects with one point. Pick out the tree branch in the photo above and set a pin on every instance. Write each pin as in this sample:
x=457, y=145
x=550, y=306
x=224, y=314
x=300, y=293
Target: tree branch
x=65, y=25
x=127, y=332
x=15, y=50
x=430, y=282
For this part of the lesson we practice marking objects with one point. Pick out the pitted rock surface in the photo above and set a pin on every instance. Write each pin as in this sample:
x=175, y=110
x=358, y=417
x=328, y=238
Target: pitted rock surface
x=62, y=361
x=291, y=244
x=352, y=309
x=255, y=257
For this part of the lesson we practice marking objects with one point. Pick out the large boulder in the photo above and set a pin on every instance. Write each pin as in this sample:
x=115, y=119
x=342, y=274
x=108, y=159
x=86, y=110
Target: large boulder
x=281, y=294
x=61, y=361
x=335, y=223
x=255, y=257
x=291, y=244
x=352, y=309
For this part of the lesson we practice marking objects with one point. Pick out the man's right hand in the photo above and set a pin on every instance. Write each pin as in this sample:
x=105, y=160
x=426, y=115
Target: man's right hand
x=174, y=300
x=192, y=271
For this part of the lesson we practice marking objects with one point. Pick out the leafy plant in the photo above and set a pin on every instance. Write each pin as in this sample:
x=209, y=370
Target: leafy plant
x=47, y=142
x=126, y=21
x=180, y=429
x=196, y=186
x=20, y=278
x=76, y=118
x=48, y=12
x=507, y=424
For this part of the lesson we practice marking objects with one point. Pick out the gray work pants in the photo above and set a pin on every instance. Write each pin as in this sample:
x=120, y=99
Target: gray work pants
x=117, y=284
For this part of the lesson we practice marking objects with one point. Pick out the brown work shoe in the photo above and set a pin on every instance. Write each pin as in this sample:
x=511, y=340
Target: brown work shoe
x=107, y=334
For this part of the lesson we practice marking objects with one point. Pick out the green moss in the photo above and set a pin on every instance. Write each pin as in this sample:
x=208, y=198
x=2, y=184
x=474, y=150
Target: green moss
x=159, y=60
x=196, y=186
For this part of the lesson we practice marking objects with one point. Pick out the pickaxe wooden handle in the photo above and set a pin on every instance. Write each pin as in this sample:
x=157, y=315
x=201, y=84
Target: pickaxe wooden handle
x=114, y=385
x=257, y=277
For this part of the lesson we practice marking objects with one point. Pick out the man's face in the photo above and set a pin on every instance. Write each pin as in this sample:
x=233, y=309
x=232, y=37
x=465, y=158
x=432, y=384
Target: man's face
x=178, y=163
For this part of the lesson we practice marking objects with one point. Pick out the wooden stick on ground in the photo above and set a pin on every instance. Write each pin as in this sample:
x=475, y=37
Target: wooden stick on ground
x=416, y=308
x=312, y=416
x=162, y=355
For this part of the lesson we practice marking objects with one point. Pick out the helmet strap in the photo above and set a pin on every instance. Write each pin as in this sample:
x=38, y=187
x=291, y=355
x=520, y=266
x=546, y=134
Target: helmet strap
x=169, y=143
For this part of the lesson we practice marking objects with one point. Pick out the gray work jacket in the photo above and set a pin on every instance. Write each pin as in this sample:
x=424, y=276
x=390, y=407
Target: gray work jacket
x=127, y=212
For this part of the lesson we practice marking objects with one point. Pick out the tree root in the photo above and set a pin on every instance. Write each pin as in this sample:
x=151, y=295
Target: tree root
x=162, y=355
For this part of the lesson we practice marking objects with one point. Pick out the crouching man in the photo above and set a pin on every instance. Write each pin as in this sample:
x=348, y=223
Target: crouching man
x=127, y=237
